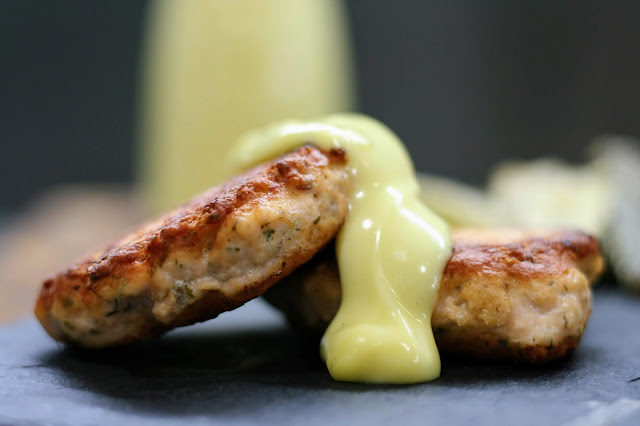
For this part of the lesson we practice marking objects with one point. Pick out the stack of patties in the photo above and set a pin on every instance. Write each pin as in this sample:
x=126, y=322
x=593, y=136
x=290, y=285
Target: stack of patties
x=505, y=294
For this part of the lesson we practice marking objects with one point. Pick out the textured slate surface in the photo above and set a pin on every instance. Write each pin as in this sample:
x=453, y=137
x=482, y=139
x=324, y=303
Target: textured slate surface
x=248, y=368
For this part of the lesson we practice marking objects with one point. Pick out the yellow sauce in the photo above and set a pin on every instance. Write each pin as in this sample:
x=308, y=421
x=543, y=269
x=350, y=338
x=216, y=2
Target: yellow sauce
x=391, y=251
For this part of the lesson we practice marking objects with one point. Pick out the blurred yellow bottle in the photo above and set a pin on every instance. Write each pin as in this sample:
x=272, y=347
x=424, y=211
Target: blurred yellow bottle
x=215, y=68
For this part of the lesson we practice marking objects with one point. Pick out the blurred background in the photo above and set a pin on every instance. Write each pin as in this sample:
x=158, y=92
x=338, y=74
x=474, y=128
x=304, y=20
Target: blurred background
x=117, y=93
x=465, y=84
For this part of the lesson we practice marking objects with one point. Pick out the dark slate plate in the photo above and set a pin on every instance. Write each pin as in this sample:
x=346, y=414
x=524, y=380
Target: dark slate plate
x=247, y=367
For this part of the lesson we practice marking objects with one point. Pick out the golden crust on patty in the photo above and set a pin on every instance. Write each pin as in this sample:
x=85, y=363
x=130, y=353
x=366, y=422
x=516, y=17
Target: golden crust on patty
x=505, y=294
x=221, y=250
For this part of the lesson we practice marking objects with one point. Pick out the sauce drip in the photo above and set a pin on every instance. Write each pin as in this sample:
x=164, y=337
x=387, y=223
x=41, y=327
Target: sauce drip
x=391, y=251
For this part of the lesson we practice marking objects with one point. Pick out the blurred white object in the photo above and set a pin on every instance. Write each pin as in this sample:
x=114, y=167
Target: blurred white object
x=601, y=198
x=551, y=193
x=542, y=193
x=619, y=157
x=462, y=205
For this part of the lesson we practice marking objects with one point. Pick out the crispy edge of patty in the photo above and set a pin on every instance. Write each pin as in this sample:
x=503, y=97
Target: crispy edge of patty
x=495, y=284
x=141, y=286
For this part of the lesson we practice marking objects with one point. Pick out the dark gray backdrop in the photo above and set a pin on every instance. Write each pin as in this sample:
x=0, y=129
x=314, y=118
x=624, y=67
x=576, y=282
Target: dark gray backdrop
x=464, y=83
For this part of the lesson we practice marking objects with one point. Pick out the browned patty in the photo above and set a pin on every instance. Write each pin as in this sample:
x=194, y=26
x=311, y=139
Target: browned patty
x=505, y=294
x=221, y=250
